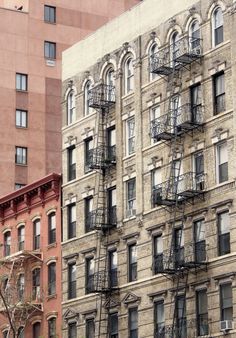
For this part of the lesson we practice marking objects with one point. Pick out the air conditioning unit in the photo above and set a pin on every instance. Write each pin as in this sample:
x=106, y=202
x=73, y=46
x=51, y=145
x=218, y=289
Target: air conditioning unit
x=130, y=213
x=226, y=325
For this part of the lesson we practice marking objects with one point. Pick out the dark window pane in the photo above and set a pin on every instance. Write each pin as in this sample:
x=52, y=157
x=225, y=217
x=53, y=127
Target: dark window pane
x=226, y=302
x=71, y=281
x=49, y=50
x=90, y=328
x=50, y=14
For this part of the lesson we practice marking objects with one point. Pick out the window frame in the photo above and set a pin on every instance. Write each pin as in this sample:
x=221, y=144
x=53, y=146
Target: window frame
x=71, y=163
x=52, y=327
x=88, y=146
x=52, y=19
x=50, y=50
x=88, y=86
x=36, y=329
x=89, y=274
x=158, y=323
x=113, y=332
x=152, y=51
x=21, y=119
x=133, y=333
x=199, y=243
x=157, y=254
x=72, y=281
x=71, y=224
x=52, y=279
x=219, y=99
x=219, y=177
x=222, y=300
x=132, y=263
x=36, y=234
x=71, y=327
x=52, y=228
x=21, y=243
x=7, y=243
x=36, y=283
x=22, y=80
x=130, y=136
x=201, y=316
x=131, y=199
x=71, y=107
x=129, y=75
x=113, y=268
x=88, y=322
x=215, y=28
x=88, y=215
x=22, y=158
x=224, y=235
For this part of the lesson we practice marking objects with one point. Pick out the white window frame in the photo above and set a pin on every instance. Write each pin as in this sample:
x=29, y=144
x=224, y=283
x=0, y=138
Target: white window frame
x=87, y=110
x=215, y=26
x=71, y=107
x=130, y=202
x=152, y=51
x=130, y=136
x=129, y=75
x=218, y=146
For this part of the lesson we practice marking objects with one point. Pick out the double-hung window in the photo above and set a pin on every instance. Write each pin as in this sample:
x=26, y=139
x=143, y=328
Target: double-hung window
x=71, y=163
x=88, y=154
x=49, y=14
x=131, y=197
x=21, y=155
x=113, y=325
x=90, y=328
x=156, y=188
x=49, y=50
x=159, y=319
x=223, y=233
x=130, y=124
x=155, y=113
x=52, y=279
x=180, y=304
x=21, y=286
x=129, y=76
x=52, y=328
x=111, y=203
x=158, y=254
x=51, y=228
x=198, y=166
x=72, y=281
x=21, y=118
x=179, y=247
x=71, y=210
x=113, y=268
x=111, y=144
x=217, y=26
x=133, y=322
x=71, y=107
x=222, y=162
x=226, y=301
x=90, y=270
x=199, y=241
x=132, y=273
x=219, y=93
x=36, y=229
x=36, y=330
x=88, y=214
x=196, y=104
x=72, y=330
x=7, y=243
x=202, y=312
x=21, y=82
x=21, y=238
x=36, y=284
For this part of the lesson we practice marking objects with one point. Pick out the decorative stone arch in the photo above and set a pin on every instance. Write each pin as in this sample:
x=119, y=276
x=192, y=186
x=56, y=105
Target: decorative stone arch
x=150, y=43
x=190, y=19
x=51, y=260
x=111, y=63
x=51, y=210
x=88, y=78
x=213, y=6
x=70, y=87
x=128, y=51
x=50, y=315
x=8, y=229
x=35, y=217
x=171, y=31
x=20, y=224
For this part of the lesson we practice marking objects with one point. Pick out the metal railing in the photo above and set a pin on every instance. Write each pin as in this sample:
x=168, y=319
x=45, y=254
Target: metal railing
x=102, y=281
x=101, y=96
x=101, y=157
x=184, y=51
x=101, y=218
x=177, y=121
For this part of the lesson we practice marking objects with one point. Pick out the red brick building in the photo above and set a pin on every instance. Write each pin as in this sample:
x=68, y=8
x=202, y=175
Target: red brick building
x=30, y=260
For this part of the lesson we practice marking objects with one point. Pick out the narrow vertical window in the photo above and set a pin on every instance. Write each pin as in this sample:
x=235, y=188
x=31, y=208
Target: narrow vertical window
x=155, y=185
x=218, y=26
x=219, y=93
x=36, y=330
x=226, y=301
x=71, y=163
x=52, y=328
x=132, y=273
x=21, y=118
x=113, y=281
x=155, y=113
x=90, y=328
x=223, y=233
x=158, y=254
x=36, y=230
x=198, y=168
x=179, y=247
x=111, y=144
x=21, y=238
x=181, y=317
x=71, y=117
x=152, y=56
x=111, y=203
x=113, y=325
x=90, y=270
x=51, y=228
x=222, y=162
x=174, y=48
x=194, y=36
x=200, y=242
x=87, y=108
x=129, y=76
x=21, y=287
x=71, y=281
x=36, y=285
x=133, y=323
x=131, y=197
x=159, y=319
x=7, y=243
x=110, y=82
x=52, y=279
x=21, y=82
x=88, y=214
x=130, y=136
x=72, y=330
x=196, y=104
x=49, y=14
x=71, y=211
x=88, y=147
x=202, y=313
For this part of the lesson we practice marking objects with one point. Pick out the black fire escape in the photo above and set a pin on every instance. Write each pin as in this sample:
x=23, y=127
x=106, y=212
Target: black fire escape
x=102, y=159
x=180, y=188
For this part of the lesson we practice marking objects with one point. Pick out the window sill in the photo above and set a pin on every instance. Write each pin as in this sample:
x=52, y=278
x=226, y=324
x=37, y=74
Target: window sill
x=219, y=185
x=21, y=90
x=214, y=117
x=21, y=164
x=214, y=48
x=49, y=22
x=19, y=127
x=51, y=297
x=127, y=219
x=128, y=156
x=127, y=95
x=52, y=245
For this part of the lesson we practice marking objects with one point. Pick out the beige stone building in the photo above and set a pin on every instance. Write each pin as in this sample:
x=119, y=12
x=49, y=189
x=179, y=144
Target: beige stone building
x=148, y=200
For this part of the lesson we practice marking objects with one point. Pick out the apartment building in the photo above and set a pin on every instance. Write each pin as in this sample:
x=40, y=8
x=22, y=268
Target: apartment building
x=33, y=35
x=149, y=174
x=30, y=260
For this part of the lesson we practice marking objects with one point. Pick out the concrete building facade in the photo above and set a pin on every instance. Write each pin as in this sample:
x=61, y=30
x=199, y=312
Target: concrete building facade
x=148, y=162
x=31, y=79
x=30, y=262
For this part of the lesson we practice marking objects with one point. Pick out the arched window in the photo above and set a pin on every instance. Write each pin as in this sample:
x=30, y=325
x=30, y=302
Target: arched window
x=217, y=26
x=7, y=243
x=52, y=279
x=110, y=82
x=36, y=330
x=36, y=284
x=174, y=47
x=21, y=286
x=87, y=109
x=129, y=75
x=71, y=107
x=20, y=333
x=152, y=56
x=51, y=228
x=194, y=35
x=36, y=229
x=52, y=328
x=21, y=238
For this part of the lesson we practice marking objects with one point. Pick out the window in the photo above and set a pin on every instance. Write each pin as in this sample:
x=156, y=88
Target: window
x=36, y=330
x=158, y=254
x=20, y=332
x=202, y=313
x=226, y=302
x=113, y=325
x=51, y=228
x=113, y=268
x=194, y=36
x=52, y=279
x=199, y=241
x=71, y=210
x=198, y=168
x=36, y=284
x=181, y=317
x=219, y=93
x=129, y=76
x=71, y=107
x=36, y=226
x=21, y=238
x=196, y=104
x=49, y=14
x=159, y=319
x=217, y=26
x=111, y=203
x=132, y=273
x=5, y=334
x=223, y=233
x=179, y=247
x=152, y=58
x=88, y=214
x=88, y=146
x=154, y=116
x=7, y=243
x=49, y=50
x=21, y=287
x=90, y=328
x=72, y=330
x=71, y=281
x=133, y=323
x=21, y=118
x=87, y=108
x=19, y=186
x=131, y=197
x=71, y=163
x=174, y=48
x=130, y=130
x=156, y=180
x=21, y=82
x=111, y=143
x=52, y=328
x=222, y=162
x=21, y=155
x=90, y=266
x=110, y=81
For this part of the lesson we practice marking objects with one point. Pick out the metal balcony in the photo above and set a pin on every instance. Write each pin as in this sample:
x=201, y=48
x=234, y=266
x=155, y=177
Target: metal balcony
x=102, y=281
x=175, y=56
x=101, y=96
x=174, y=260
x=181, y=328
x=179, y=189
x=101, y=219
x=177, y=121
x=101, y=157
